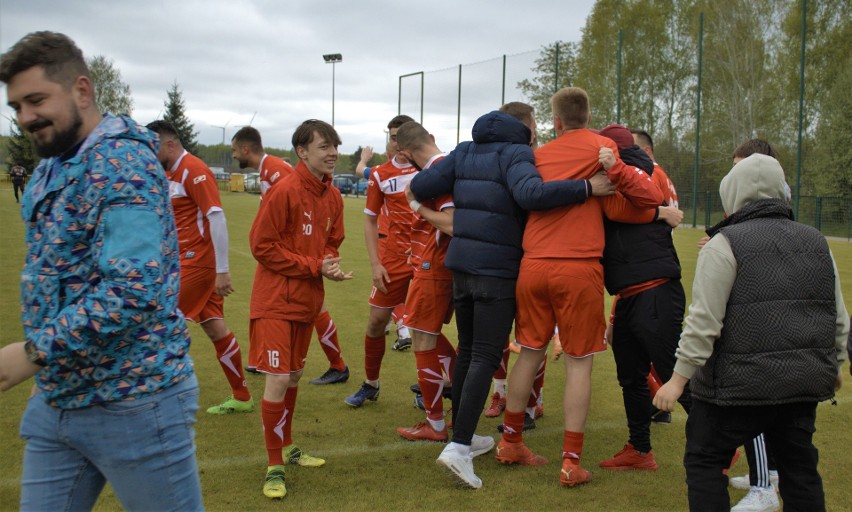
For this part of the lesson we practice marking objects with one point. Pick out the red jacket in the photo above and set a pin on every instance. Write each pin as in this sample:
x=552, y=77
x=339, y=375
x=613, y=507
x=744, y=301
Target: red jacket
x=300, y=221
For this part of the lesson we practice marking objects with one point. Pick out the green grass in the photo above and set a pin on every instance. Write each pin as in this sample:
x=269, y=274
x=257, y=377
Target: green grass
x=369, y=466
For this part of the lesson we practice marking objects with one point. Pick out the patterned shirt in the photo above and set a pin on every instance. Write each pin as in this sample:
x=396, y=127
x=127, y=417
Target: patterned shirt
x=100, y=283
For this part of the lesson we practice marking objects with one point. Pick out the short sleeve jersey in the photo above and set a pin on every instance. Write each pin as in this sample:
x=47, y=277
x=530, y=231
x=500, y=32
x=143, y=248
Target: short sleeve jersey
x=428, y=243
x=271, y=170
x=386, y=196
x=194, y=194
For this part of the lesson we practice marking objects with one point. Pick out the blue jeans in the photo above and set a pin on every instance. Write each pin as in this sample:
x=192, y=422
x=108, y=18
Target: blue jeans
x=144, y=448
x=485, y=311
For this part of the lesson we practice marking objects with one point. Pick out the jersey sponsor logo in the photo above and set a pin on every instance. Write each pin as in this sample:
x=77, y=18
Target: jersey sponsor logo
x=425, y=265
x=199, y=179
x=189, y=254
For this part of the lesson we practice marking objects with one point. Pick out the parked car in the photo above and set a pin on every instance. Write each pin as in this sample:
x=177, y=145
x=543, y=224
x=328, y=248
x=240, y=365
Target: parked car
x=252, y=182
x=361, y=186
x=343, y=184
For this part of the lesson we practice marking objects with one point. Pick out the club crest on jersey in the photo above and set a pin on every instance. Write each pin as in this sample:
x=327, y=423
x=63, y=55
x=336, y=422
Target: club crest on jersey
x=425, y=265
x=189, y=254
x=199, y=179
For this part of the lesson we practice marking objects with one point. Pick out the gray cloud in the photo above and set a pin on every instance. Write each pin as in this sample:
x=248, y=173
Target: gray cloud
x=235, y=60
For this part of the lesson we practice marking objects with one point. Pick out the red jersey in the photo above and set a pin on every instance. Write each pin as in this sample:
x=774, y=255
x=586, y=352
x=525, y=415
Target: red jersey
x=428, y=243
x=662, y=180
x=299, y=223
x=386, y=196
x=272, y=169
x=576, y=231
x=194, y=194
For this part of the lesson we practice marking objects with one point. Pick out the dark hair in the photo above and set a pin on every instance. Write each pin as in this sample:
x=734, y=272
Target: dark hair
x=398, y=121
x=412, y=136
x=520, y=111
x=304, y=134
x=644, y=137
x=62, y=61
x=248, y=135
x=752, y=146
x=164, y=129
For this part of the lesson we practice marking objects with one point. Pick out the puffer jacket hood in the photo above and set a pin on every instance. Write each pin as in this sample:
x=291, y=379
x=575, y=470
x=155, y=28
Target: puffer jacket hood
x=497, y=126
x=753, y=178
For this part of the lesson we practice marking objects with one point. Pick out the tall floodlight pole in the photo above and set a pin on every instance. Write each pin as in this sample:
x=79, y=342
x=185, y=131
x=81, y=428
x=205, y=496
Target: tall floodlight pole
x=332, y=58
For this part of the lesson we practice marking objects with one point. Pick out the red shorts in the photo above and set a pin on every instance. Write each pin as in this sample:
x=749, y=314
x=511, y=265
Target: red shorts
x=563, y=293
x=397, y=288
x=278, y=346
x=198, y=298
x=429, y=305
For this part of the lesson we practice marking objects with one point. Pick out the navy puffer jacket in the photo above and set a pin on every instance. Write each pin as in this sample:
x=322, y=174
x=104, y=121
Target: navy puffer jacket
x=493, y=181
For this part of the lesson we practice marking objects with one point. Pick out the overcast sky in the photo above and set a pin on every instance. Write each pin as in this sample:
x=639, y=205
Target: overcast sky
x=260, y=61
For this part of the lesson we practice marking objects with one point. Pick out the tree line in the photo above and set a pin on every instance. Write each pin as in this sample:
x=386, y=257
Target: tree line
x=751, y=54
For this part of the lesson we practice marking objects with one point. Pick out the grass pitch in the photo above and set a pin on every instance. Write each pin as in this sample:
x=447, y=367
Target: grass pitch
x=369, y=467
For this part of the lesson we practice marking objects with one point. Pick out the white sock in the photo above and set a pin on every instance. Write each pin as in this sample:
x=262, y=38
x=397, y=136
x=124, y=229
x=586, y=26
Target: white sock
x=402, y=331
x=531, y=411
x=438, y=425
x=374, y=383
x=500, y=387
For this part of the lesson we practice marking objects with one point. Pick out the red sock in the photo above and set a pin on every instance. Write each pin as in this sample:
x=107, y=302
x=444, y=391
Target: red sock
x=446, y=355
x=572, y=445
x=327, y=336
x=653, y=382
x=398, y=312
x=513, y=426
x=431, y=382
x=503, y=370
x=272, y=416
x=374, y=352
x=538, y=383
x=228, y=354
x=289, y=410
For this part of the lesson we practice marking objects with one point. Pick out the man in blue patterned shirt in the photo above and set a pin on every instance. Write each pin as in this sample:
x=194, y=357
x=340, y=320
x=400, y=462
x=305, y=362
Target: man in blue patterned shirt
x=103, y=334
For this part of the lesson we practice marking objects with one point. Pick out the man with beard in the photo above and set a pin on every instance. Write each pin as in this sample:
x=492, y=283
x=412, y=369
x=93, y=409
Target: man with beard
x=247, y=149
x=108, y=346
x=204, y=276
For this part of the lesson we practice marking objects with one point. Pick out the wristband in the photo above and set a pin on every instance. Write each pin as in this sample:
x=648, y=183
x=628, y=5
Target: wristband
x=415, y=205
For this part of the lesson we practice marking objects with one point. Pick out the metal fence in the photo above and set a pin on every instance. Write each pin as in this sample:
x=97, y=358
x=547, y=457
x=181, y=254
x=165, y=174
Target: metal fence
x=831, y=215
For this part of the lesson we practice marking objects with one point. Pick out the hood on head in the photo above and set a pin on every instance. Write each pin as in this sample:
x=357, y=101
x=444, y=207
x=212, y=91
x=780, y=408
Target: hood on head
x=755, y=177
x=619, y=134
x=497, y=126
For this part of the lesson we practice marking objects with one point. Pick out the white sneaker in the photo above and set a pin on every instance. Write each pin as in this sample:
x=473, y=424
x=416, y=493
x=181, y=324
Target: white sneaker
x=758, y=499
x=742, y=482
x=460, y=467
x=480, y=445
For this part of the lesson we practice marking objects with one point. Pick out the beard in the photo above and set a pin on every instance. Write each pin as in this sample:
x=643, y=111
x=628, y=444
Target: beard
x=243, y=163
x=62, y=140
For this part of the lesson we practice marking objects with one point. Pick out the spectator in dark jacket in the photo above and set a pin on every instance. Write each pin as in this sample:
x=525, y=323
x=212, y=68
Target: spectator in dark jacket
x=763, y=343
x=493, y=181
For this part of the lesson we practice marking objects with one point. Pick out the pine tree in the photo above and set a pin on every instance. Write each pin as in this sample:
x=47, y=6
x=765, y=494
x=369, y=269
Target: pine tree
x=176, y=115
x=20, y=149
x=112, y=94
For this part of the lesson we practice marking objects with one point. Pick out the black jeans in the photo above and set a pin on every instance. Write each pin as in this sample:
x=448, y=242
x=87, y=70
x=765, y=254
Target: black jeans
x=646, y=330
x=485, y=311
x=714, y=432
